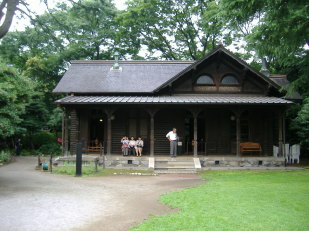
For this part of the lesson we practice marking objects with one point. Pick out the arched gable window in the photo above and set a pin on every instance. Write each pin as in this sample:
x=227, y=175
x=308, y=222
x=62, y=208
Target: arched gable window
x=205, y=80
x=229, y=80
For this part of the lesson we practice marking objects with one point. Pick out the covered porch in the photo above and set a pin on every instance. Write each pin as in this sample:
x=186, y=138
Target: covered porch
x=206, y=125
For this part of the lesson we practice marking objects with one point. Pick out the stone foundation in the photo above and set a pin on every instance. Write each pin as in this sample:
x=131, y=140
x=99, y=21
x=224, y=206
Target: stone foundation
x=242, y=161
x=126, y=162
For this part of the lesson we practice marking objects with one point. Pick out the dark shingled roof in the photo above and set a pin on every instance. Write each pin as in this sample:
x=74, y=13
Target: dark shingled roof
x=134, y=76
x=180, y=99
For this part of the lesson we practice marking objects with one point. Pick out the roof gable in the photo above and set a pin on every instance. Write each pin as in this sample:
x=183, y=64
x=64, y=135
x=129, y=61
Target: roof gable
x=219, y=50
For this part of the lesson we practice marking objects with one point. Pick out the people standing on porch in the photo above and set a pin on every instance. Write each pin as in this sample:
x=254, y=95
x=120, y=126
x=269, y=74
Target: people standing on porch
x=172, y=137
x=132, y=144
x=139, y=146
x=125, y=145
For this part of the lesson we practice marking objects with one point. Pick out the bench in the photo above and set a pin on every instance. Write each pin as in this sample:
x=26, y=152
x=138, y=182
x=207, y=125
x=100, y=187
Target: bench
x=95, y=148
x=250, y=147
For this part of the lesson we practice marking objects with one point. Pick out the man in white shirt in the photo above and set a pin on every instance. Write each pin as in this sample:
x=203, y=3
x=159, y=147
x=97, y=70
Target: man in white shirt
x=172, y=137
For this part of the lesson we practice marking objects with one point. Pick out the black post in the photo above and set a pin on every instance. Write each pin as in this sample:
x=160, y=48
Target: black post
x=79, y=159
x=51, y=163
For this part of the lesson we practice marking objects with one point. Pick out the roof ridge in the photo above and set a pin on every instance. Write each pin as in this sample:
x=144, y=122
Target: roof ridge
x=132, y=61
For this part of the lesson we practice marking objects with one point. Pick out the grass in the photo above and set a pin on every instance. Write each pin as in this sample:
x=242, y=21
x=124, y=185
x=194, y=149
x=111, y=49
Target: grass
x=89, y=171
x=238, y=200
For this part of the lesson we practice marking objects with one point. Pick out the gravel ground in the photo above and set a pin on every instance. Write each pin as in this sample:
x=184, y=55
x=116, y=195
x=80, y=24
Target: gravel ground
x=35, y=200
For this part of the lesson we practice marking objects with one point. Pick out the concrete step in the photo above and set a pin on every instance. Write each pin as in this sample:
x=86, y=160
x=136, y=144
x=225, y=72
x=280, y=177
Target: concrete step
x=175, y=171
x=174, y=167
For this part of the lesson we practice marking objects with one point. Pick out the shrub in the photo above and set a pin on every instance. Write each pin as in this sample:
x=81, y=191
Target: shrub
x=38, y=139
x=5, y=156
x=50, y=149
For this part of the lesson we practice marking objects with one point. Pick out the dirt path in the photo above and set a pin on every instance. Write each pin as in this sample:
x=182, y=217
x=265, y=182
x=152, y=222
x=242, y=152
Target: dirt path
x=34, y=200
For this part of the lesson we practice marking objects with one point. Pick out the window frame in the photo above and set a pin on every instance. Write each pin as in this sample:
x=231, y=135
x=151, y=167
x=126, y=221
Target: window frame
x=229, y=84
x=205, y=84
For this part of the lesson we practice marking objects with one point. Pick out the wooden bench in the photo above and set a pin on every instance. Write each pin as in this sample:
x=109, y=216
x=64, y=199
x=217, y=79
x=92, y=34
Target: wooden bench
x=95, y=148
x=250, y=147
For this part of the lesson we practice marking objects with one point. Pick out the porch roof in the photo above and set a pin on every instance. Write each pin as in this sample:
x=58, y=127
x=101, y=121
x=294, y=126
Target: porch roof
x=176, y=99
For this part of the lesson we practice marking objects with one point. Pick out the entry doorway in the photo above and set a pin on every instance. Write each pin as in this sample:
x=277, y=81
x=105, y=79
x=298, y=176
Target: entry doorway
x=189, y=134
x=97, y=128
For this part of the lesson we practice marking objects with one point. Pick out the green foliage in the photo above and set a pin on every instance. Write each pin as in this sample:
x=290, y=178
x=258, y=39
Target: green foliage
x=238, y=200
x=172, y=29
x=36, y=140
x=15, y=95
x=5, y=156
x=50, y=149
x=301, y=125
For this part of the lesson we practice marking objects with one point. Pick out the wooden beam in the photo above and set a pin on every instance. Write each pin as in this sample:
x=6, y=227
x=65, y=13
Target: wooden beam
x=195, y=112
x=281, y=150
x=74, y=131
x=152, y=113
x=109, y=113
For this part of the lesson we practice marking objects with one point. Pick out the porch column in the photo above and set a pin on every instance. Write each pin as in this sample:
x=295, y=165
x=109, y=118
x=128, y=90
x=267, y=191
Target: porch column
x=195, y=113
x=151, y=135
x=109, y=114
x=237, y=113
x=237, y=134
x=66, y=134
x=62, y=132
x=74, y=131
x=195, y=135
x=152, y=113
x=280, y=138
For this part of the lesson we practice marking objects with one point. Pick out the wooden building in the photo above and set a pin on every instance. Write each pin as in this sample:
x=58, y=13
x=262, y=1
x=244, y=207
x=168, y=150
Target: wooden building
x=215, y=103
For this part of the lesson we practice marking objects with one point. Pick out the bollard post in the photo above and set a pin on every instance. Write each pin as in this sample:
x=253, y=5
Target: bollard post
x=51, y=163
x=78, y=159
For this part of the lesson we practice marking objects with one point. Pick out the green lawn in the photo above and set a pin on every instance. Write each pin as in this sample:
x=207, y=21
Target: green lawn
x=91, y=171
x=239, y=200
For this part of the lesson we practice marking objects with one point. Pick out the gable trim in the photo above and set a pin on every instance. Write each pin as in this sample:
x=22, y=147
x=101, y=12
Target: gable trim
x=220, y=48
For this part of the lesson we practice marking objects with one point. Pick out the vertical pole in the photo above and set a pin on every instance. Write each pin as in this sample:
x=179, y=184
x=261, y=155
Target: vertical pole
x=79, y=147
x=237, y=134
x=151, y=134
x=109, y=133
x=281, y=150
x=195, y=134
x=62, y=133
x=74, y=131
x=66, y=135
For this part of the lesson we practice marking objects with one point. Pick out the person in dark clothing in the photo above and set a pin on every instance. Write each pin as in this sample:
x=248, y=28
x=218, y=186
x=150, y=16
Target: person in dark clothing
x=18, y=147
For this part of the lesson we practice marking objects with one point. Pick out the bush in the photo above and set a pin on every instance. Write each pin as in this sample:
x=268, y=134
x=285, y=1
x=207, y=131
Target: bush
x=50, y=149
x=5, y=156
x=38, y=139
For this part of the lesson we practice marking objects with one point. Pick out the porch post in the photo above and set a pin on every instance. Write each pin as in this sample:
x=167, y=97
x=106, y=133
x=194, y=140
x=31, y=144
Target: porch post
x=195, y=134
x=237, y=134
x=62, y=132
x=195, y=113
x=152, y=113
x=109, y=114
x=151, y=134
x=74, y=131
x=280, y=138
x=66, y=135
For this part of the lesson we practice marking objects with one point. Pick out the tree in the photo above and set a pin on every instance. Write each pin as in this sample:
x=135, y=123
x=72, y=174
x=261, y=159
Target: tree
x=9, y=7
x=172, y=29
x=15, y=95
x=301, y=124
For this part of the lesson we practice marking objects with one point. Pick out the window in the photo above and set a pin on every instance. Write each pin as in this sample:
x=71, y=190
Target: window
x=229, y=80
x=205, y=80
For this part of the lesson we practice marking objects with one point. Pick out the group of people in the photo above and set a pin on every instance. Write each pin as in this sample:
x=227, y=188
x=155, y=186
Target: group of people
x=132, y=147
x=135, y=147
